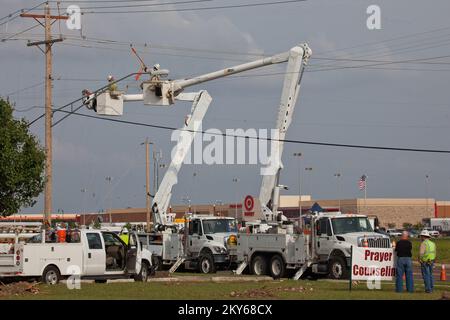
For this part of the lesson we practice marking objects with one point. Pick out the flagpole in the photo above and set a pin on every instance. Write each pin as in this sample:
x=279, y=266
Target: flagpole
x=365, y=196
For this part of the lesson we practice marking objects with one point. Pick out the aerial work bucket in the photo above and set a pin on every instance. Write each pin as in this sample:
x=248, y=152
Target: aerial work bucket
x=110, y=104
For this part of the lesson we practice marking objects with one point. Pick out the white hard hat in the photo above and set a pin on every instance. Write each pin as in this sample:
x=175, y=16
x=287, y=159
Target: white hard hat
x=124, y=230
x=110, y=77
x=425, y=233
x=156, y=66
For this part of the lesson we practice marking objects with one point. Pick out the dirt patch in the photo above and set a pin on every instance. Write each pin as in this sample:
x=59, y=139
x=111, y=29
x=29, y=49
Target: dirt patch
x=267, y=292
x=18, y=288
x=252, y=293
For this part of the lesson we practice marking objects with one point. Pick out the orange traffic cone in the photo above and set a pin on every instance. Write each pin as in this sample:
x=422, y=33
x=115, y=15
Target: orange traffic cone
x=443, y=273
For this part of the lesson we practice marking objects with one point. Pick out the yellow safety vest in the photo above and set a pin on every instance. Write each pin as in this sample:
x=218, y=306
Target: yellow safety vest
x=125, y=238
x=430, y=251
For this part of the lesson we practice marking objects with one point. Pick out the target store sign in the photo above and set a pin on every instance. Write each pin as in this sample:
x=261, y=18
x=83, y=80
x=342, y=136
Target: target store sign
x=249, y=205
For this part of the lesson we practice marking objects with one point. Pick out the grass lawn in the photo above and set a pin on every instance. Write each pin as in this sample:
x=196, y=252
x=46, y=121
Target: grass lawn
x=442, y=249
x=284, y=289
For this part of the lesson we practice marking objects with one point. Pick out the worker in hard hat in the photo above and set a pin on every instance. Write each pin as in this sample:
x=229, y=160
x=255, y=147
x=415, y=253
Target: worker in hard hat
x=124, y=235
x=427, y=255
x=404, y=263
x=112, y=86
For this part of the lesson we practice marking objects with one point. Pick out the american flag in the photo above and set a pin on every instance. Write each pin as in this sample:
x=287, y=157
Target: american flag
x=362, y=182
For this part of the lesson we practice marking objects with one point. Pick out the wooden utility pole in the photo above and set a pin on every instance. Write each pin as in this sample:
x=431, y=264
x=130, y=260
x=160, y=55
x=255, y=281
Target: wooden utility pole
x=48, y=42
x=147, y=182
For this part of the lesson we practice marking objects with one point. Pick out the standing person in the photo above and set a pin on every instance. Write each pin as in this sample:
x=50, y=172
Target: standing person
x=124, y=235
x=427, y=255
x=404, y=263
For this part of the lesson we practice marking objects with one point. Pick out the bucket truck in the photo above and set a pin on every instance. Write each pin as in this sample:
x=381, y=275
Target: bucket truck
x=200, y=246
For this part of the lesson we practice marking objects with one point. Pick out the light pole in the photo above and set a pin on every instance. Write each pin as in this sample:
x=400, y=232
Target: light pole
x=236, y=180
x=83, y=191
x=109, y=179
x=427, y=181
x=338, y=180
x=299, y=155
x=193, y=189
x=308, y=169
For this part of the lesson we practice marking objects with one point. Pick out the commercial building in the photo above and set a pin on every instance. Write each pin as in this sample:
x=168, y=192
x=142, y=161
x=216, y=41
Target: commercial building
x=389, y=211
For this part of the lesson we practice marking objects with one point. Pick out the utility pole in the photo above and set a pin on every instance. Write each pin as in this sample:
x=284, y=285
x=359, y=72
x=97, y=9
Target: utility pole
x=48, y=21
x=147, y=181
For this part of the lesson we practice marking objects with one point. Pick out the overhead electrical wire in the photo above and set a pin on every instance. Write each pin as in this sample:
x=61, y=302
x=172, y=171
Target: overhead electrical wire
x=258, y=138
x=247, y=5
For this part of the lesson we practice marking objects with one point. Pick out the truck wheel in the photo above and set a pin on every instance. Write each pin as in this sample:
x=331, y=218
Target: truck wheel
x=143, y=274
x=259, y=265
x=338, y=268
x=206, y=264
x=157, y=263
x=277, y=267
x=51, y=275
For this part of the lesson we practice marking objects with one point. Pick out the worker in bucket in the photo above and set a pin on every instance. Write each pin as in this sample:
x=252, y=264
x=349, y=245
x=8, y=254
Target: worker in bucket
x=124, y=235
x=112, y=86
x=404, y=263
x=427, y=255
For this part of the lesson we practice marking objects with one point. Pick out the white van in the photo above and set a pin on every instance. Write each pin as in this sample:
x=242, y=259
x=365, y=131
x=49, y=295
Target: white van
x=98, y=255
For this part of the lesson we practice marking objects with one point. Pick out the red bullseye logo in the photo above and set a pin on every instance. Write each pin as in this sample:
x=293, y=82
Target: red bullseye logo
x=249, y=203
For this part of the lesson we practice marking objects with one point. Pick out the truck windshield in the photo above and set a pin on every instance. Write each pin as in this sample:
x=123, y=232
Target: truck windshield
x=351, y=224
x=219, y=225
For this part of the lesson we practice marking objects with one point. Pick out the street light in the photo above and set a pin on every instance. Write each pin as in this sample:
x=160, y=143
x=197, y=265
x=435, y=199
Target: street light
x=83, y=191
x=308, y=169
x=299, y=155
x=193, y=188
x=236, y=180
x=338, y=176
x=109, y=179
x=427, y=181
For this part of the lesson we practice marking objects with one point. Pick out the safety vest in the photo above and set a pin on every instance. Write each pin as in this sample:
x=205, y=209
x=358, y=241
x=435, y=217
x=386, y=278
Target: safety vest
x=430, y=251
x=125, y=238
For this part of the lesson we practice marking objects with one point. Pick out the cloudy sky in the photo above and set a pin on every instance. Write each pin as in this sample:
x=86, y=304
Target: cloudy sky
x=395, y=104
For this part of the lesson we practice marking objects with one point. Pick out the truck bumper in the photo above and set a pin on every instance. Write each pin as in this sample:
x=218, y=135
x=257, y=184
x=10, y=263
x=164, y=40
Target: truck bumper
x=221, y=258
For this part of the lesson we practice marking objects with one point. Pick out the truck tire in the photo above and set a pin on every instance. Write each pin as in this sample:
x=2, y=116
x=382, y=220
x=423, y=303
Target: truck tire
x=277, y=267
x=51, y=275
x=258, y=266
x=206, y=263
x=157, y=263
x=337, y=268
x=143, y=274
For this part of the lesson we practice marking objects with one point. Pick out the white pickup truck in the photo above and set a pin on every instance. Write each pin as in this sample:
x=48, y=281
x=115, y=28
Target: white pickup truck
x=96, y=254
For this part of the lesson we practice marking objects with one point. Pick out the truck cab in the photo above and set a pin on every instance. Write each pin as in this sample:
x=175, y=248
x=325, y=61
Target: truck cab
x=335, y=234
x=210, y=242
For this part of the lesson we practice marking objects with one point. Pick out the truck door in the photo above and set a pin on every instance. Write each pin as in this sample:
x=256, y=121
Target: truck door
x=195, y=236
x=323, y=236
x=94, y=254
x=134, y=255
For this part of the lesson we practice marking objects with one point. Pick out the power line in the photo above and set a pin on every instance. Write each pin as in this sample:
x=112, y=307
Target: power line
x=258, y=138
x=19, y=11
x=26, y=88
x=199, y=8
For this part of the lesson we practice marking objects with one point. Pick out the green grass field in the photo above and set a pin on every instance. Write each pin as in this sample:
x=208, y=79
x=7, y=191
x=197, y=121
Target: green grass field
x=442, y=249
x=284, y=289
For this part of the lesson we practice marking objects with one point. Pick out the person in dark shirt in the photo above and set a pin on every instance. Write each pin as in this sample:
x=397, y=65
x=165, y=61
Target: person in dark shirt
x=404, y=263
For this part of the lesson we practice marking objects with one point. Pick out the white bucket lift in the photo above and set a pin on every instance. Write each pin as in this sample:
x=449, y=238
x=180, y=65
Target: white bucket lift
x=157, y=93
x=110, y=105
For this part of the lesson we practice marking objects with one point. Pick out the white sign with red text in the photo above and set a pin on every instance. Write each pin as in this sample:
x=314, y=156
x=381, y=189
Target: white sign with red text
x=373, y=263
